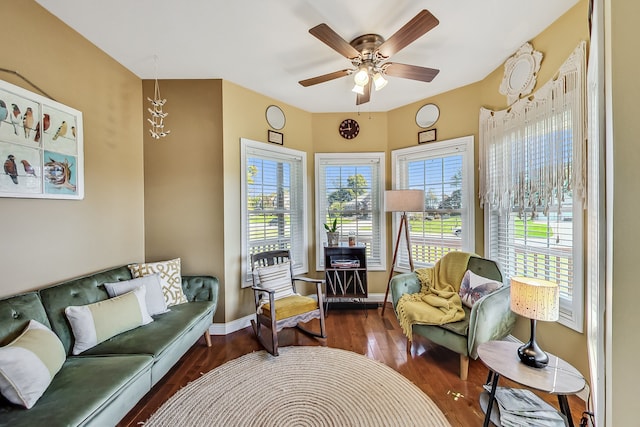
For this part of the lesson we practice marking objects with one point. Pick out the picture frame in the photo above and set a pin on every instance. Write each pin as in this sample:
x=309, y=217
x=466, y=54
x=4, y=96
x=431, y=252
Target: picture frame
x=41, y=146
x=275, y=137
x=426, y=136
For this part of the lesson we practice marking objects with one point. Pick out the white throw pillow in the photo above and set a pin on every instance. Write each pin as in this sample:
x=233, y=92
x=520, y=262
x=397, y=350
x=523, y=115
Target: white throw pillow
x=276, y=277
x=29, y=363
x=94, y=323
x=474, y=287
x=170, y=278
x=154, y=297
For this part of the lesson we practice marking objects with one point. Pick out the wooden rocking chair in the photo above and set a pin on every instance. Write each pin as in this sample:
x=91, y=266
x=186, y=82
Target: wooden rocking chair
x=278, y=305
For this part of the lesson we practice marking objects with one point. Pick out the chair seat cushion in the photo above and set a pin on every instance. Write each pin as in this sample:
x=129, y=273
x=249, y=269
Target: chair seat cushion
x=291, y=306
x=461, y=327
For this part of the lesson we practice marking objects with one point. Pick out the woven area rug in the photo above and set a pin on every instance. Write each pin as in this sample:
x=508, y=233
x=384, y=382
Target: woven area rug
x=304, y=386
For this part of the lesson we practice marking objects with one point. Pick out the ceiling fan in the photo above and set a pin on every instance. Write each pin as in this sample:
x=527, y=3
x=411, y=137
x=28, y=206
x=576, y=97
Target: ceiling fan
x=369, y=52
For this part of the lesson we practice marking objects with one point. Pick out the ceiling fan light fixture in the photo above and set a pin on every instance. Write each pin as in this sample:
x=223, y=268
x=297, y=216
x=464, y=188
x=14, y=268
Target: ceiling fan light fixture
x=379, y=81
x=361, y=77
x=358, y=89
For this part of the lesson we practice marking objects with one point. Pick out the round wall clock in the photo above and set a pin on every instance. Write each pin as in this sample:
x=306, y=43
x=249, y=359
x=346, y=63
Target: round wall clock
x=275, y=117
x=349, y=129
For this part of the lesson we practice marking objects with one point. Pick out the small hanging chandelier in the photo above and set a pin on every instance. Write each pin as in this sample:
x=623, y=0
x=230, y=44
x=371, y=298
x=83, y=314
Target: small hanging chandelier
x=157, y=115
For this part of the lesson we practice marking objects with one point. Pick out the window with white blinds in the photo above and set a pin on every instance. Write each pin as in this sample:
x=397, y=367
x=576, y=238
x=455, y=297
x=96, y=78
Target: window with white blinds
x=532, y=186
x=273, y=203
x=349, y=189
x=444, y=171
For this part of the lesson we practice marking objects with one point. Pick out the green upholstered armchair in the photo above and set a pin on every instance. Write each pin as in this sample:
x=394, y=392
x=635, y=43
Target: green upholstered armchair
x=490, y=318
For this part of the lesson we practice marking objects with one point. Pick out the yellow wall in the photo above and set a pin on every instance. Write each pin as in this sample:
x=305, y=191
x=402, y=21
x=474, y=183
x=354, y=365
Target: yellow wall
x=244, y=117
x=624, y=91
x=46, y=241
x=183, y=179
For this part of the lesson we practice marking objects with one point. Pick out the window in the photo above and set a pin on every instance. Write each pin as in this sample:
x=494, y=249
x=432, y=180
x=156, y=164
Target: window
x=349, y=189
x=532, y=181
x=273, y=203
x=444, y=171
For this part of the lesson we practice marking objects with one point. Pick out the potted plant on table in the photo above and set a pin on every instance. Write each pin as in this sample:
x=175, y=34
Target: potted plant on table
x=333, y=237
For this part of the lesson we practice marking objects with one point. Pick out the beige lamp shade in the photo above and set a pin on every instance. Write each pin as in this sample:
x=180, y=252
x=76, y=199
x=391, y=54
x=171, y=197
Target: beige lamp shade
x=404, y=201
x=535, y=298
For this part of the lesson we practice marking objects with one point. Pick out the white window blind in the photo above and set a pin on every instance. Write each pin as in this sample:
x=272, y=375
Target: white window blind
x=349, y=189
x=532, y=185
x=444, y=171
x=273, y=203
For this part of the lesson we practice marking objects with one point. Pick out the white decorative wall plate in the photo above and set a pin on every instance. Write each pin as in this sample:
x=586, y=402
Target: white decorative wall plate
x=520, y=72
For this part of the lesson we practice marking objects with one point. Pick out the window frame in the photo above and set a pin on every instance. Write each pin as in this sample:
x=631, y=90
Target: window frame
x=352, y=159
x=274, y=152
x=464, y=145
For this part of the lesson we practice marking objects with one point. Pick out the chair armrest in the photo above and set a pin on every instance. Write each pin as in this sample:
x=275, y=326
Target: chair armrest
x=405, y=283
x=201, y=288
x=308, y=279
x=491, y=319
x=260, y=289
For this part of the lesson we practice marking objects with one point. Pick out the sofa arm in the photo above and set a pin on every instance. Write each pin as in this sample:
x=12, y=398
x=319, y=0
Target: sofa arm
x=405, y=283
x=491, y=319
x=200, y=288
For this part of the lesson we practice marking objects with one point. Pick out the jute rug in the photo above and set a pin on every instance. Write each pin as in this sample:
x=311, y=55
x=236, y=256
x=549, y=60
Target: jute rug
x=304, y=386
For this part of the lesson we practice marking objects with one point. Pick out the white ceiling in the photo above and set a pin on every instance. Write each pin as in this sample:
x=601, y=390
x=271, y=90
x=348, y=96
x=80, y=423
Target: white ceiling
x=264, y=45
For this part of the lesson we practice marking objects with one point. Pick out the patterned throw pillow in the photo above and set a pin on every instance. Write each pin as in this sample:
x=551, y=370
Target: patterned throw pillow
x=474, y=287
x=154, y=297
x=29, y=363
x=94, y=323
x=170, y=278
x=276, y=277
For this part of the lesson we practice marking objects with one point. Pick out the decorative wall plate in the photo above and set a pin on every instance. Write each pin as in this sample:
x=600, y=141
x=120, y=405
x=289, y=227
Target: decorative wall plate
x=275, y=117
x=520, y=73
x=427, y=115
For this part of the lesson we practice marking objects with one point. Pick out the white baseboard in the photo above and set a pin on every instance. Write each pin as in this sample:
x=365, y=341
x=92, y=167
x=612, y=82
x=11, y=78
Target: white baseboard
x=230, y=327
x=243, y=322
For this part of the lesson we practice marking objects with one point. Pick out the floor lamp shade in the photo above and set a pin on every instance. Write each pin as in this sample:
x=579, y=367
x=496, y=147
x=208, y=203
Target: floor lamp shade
x=538, y=300
x=404, y=200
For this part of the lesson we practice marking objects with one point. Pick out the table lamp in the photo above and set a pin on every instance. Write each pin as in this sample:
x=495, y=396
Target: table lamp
x=536, y=299
x=402, y=201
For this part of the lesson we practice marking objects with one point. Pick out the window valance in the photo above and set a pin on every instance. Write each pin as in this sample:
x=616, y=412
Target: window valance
x=534, y=153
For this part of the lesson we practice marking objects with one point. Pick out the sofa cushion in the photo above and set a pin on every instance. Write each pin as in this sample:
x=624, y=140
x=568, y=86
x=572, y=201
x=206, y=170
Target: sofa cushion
x=80, y=291
x=156, y=337
x=94, y=323
x=170, y=278
x=87, y=391
x=29, y=363
x=154, y=298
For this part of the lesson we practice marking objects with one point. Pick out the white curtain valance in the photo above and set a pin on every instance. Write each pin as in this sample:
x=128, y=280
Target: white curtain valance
x=532, y=153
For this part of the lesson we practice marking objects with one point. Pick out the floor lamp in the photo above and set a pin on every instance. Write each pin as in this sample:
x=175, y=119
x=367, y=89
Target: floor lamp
x=401, y=201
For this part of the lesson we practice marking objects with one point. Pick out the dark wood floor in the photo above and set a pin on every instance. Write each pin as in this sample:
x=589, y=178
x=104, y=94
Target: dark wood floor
x=432, y=368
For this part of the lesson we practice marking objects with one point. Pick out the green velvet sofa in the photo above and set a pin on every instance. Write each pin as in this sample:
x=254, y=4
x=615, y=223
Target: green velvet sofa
x=101, y=385
x=490, y=318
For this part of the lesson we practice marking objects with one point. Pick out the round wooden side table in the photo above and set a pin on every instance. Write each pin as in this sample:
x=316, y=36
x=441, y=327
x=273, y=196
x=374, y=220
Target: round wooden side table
x=558, y=377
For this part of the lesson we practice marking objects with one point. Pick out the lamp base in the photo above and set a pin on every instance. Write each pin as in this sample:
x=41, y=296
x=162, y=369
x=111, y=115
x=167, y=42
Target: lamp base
x=532, y=355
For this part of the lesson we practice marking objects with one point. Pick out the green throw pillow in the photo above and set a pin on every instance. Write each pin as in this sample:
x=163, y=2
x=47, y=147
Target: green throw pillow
x=29, y=363
x=94, y=323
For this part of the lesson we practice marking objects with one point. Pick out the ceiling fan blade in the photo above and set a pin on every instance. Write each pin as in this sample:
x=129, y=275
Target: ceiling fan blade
x=329, y=37
x=363, y=99
x=324, y=78
x=412, y=72
x=412, y=30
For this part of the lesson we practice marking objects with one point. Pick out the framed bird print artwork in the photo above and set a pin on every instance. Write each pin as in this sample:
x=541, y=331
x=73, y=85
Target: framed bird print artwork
x=41, y=146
